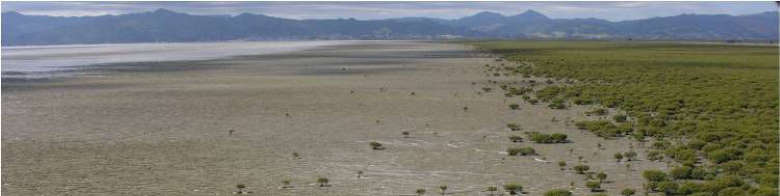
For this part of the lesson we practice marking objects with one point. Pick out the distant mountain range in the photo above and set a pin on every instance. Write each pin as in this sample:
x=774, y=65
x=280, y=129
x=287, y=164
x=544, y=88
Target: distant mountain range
x=168, y=26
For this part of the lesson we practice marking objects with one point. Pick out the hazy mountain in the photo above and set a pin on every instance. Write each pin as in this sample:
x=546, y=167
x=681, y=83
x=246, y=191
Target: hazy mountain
x=531, y=24
x=167, y=26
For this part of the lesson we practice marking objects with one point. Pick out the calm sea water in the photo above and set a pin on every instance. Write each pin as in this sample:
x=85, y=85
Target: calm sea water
x=29, y=60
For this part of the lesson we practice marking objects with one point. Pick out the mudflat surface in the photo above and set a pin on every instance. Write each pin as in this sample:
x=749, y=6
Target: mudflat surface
x=164, y=128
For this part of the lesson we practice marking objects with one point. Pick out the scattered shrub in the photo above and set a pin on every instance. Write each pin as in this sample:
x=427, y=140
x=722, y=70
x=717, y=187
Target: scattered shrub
x=523, y=151
x=557, y=104
x=513, y=127
x=323, y=182
x=240, y=188
x=601, y=176
x=597, y=112
x=630, y=155
x=628, y=192
x=491, y=189
x=581, y=101
x=603, y=128
x=654, y=175
x=558, y=192
x=513, y=188
x=655, y=156
x=593, y=186
x=547, y=138
x=376, y=146
x=581, y=169
x=618, y=156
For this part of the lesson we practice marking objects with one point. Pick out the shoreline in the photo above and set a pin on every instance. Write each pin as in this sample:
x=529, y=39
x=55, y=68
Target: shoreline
x=55, y=59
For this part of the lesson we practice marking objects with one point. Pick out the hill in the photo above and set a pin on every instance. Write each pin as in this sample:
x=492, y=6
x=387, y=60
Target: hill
x=167, y=26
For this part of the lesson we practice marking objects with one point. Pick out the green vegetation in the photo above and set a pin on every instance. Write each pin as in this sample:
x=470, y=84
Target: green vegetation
x=513, y=188
x=443, y=189
x=547, y=138
x=521, y=151
x=604, y=128
x=620, y=118
x=514, y=106
x=628, y=192
x=515, y=138
x=557, y=104
x=654, y=175
x=420, y=191
x=597, y=112
x=558, y=192
x=323, y=182
x=376, y=146
x=240, y=188
x=581, y=169
x=593, y=186
x=601, y=176
x=562, y=164
x=719, y=101
x=513, y=127
x=492, y=190
x=618, y=157
x=512, y=91
x=630, y=155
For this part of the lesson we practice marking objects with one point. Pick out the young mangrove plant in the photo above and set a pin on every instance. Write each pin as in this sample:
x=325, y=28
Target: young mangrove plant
x=323, y=182
x=376, y=146
x=523, y=151
x=513, y=188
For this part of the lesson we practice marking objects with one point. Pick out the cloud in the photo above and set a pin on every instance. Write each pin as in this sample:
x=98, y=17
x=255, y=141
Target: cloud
x=380, y=10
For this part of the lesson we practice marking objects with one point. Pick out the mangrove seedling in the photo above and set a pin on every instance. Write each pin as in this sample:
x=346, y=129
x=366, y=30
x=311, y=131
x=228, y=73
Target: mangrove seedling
x=420, y=191
x=513, y=188
x=376, y=146
x=323, y=182
x=581, y=169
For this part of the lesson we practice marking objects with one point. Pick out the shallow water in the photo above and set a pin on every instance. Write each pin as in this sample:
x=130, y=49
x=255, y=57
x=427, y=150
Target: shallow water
x=32, y=60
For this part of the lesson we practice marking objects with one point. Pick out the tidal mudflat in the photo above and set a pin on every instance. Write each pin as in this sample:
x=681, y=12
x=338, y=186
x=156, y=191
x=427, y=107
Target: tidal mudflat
x=281, y=123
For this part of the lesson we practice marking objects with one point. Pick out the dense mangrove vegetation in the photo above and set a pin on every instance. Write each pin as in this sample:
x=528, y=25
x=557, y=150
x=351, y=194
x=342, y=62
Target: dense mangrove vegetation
x=709, y=109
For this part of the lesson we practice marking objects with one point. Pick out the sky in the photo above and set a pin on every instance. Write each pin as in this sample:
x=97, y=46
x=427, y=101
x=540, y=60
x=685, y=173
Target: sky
x=613, y=11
